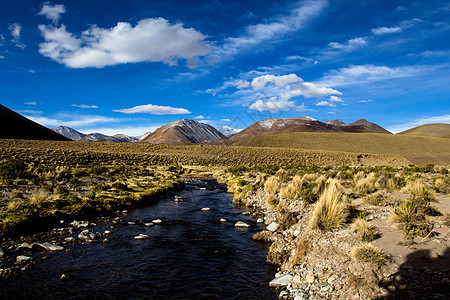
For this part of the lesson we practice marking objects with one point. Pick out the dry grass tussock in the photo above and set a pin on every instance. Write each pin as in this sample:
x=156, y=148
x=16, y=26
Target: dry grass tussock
x=293, y=189
x=415, y=187
x=272, y=185
x=368, y=253
x=364, y=184
x=363, y=229
x=330, y=211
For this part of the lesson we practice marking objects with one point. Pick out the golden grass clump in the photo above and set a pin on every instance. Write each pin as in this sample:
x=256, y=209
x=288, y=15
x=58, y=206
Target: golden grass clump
x=321, y=184
x=293, y=189
x=39, y=200
x=364, y=184
x=330, y=211
x=415, y=187
x=368, y=253
x=272, y=185
x=272, y=200
x=363, y=230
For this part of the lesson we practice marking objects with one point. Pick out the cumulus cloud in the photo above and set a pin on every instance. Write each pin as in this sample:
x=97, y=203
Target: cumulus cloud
x=421, y=121
x=151, y=40
x=364, y=74
x=52, y=12
x=351, y=45
x=274, y=104
x=336, y=99
x=154, y=110
x=200, y=117
x=276, y=92
x=261, y=32
x=260, y=82
x=85, y=106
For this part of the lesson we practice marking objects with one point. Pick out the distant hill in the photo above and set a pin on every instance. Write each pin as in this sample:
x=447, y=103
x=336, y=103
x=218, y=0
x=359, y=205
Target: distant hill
x=227, y=131
x=305, y=124
x=440, y=130
x=16, y=126
x=184, y=132
x=94, y=137
x=69, y=133
x=417, y=149
x=118, y=138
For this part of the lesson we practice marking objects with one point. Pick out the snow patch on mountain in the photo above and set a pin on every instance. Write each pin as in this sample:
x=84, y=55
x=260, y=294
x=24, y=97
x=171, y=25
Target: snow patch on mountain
x=227, y=130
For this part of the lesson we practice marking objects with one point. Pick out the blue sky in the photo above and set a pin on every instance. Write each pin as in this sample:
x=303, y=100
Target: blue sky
x=131, y=66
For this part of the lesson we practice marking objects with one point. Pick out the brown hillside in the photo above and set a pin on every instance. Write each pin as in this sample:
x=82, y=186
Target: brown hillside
x=419, y=150
x=362, y=126
x=184, y=132
x=440, y=130
x=16, y=126
x=305, y=124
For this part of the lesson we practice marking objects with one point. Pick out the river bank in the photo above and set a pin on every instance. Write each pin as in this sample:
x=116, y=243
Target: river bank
x=364, y=255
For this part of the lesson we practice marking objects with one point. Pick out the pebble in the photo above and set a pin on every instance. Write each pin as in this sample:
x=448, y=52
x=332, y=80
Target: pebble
x=241, y=224
x=297, y=279
x=107, y=232
x=105, y=241
x=2, y=253
x=310, y=278
x=206, y=209
x=223, y=220
x=70, y=239
x=331, y=279
x=157, y=221
x=64, y=277
x=149, y=224
x=260, y=220
x=131, y=223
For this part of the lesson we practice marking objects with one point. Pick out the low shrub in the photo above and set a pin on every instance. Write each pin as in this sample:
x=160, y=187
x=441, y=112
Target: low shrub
x=364, y=231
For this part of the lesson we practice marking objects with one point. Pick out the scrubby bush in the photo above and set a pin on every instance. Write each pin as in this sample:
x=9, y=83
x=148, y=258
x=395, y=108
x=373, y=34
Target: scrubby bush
x=13, y=169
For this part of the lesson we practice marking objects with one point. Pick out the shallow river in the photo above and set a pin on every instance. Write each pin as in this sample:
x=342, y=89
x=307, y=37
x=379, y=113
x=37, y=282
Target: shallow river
x=191, y=255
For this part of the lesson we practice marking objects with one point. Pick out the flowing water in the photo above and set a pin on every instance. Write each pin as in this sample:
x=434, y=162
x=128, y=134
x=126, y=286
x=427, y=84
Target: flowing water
x=191, y=255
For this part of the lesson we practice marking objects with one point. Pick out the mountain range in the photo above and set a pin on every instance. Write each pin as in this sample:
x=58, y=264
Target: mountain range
x=14, y=125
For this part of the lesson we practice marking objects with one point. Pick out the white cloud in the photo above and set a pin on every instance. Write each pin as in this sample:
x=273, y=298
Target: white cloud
x=85, y=106
x=273, y=105
x=261, y=32
x=365, y=101
x=225, y=120
x=351, y=45
x=71, y=120
x=151, y=40
x=386, y=30
x=241, y=84
x=364, y=74
x=336, y=99
x=30, y=103
x=201, y=117
x=154, y=110
x=309, y=90
x=325, y=103
x=421, y=121
x=15, y=30
x=260, y=82
x=2, y=57
x=52, y=12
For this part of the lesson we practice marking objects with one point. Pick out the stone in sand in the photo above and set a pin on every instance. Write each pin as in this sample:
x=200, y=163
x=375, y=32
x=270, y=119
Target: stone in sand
x=281, y=281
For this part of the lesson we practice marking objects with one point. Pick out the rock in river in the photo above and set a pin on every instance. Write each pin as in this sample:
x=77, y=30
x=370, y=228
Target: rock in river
x=273, y=226
x=241, y=224
x=51, y=247
x=141, y=237
x=281, y=281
